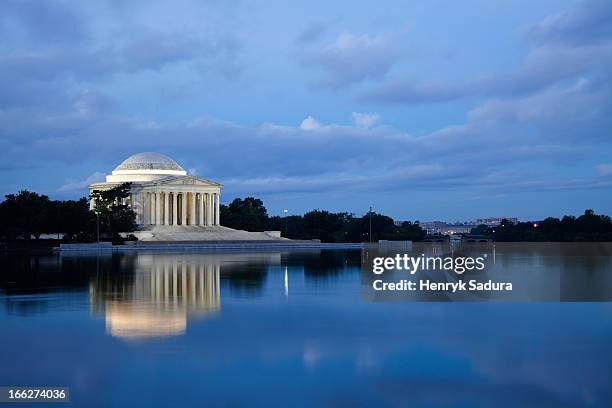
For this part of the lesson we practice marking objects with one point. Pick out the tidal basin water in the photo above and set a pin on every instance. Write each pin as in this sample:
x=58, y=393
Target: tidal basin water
x=286, y=329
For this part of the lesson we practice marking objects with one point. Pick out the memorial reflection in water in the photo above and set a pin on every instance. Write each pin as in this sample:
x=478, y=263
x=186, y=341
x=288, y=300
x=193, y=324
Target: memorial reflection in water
x=160, y=292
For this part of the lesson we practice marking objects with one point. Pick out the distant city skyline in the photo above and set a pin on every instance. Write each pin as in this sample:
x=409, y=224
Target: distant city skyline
x=424, y=110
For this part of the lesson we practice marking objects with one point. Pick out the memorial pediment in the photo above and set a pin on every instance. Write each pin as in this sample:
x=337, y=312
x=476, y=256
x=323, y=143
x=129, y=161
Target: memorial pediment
x=187, y=181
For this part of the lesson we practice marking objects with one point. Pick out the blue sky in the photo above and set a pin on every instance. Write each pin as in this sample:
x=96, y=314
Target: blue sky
x=424, y=110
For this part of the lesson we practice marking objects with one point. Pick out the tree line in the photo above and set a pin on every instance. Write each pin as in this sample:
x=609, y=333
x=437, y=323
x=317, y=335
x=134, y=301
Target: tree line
x=587, y=227
x=28, y=215
x=250, y=214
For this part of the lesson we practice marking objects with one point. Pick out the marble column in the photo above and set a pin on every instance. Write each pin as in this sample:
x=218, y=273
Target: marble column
x=158, y=208
x=205, y=198
x=147, y=200
x=166, y=208
x=143, y=201
x=152, y=212
x=201, y=210
x=192, y=209
x=154, y=207
x=174, y=209
x=212, y=208
x=183, y=208
x=208, y=209
x=217, y=209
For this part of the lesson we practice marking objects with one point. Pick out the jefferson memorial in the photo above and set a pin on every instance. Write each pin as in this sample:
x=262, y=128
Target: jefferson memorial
x=171, y=205
x=162, y=192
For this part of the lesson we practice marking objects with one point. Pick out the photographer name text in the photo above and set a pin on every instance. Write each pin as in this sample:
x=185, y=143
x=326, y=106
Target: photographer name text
x=412, y=264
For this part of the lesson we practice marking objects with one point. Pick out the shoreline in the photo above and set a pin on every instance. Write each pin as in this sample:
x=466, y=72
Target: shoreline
x=205, y=245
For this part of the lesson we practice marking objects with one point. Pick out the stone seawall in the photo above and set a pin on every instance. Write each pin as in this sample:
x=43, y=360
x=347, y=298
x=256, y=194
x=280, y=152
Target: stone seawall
x=208, y=246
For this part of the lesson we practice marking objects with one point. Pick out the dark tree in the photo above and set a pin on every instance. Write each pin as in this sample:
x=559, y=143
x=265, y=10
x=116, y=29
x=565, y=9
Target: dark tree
x=24, y=215
x=324, y=225
x=411, y=231
x=74, y=219
x=114, y=216
x=481, y=230
x=247, y=214
x=587, y=227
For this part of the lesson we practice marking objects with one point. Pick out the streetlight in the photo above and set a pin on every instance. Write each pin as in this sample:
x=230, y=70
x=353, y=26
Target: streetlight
x=98, y=226
x=370, y=224
x=285, y=211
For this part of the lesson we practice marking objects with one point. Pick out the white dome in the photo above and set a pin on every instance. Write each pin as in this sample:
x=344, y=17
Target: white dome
x=146, y=166
x=149, y=161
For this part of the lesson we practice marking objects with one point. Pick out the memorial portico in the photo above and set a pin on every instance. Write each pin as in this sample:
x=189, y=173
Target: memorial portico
x=169, y=205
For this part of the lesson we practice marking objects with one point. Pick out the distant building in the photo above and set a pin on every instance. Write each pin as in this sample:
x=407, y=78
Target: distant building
x=476, y=238
x=495, y=221
x=457, y=229
x=433, y=227
x=436, y=238
x=443, y=228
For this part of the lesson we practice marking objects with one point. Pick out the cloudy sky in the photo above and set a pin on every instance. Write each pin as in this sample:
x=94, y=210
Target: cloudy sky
x=424, y=110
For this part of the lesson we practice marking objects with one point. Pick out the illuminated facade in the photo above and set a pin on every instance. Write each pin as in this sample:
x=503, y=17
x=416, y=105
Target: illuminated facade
x=163, y=194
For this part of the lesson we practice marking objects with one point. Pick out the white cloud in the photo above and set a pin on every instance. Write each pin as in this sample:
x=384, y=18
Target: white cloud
x=90, y=103
x=365, y=120
x=310, y=123
x=74, y=185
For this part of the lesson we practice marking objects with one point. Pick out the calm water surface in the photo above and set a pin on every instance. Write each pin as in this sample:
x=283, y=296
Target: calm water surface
x=290, y=329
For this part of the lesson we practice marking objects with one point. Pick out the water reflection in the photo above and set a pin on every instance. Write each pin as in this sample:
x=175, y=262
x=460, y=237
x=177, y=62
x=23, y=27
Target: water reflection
x=157, y=296
x=294, y=332
x=149, y=284
x=538, y=272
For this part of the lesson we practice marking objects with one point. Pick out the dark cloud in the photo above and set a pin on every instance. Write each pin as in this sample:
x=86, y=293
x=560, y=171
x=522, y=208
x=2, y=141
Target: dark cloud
x=589, y=22
x=53, y=49
x=314, y=32
x=573, y=44
x=145, y=51
x=42, y=22
x=353, y=58
x=543, y=67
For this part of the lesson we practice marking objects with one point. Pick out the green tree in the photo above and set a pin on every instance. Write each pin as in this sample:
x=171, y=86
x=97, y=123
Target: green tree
x=247, y=214
x=325, y=225
x=114, y=216
x=24, y=215
x=587, y=227
x=74, y=219
x=411, y=231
